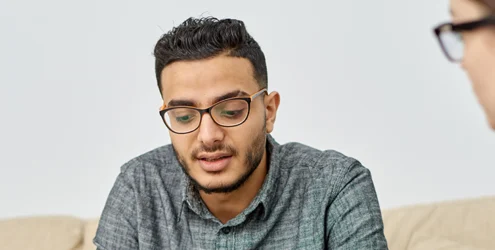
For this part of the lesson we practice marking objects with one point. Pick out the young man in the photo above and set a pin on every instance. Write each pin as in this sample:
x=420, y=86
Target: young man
x=224, y=182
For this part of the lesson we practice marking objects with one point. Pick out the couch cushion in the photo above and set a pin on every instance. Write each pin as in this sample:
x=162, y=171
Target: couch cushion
x=89, y=233
x=41, y=233
x=438, y=243
x=465, y=224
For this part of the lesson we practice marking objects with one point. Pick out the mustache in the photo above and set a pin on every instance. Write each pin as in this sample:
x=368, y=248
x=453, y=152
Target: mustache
x=212, y=149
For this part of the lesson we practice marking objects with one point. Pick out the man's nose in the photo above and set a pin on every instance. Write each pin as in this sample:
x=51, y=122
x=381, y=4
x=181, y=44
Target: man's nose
x=209, y=132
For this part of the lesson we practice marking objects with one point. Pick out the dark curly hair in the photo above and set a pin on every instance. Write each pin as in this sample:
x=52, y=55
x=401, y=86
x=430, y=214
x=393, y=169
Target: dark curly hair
x=201, y=38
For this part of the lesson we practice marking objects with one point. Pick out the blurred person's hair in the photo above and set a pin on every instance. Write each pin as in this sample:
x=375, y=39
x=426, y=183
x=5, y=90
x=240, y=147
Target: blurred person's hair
x=202, y=38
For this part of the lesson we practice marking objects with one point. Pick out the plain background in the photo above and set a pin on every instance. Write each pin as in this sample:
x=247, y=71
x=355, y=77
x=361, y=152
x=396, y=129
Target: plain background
x=78, y=96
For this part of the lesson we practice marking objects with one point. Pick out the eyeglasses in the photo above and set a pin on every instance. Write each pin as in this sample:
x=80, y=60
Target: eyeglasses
x=449, y=36
x=227, y=113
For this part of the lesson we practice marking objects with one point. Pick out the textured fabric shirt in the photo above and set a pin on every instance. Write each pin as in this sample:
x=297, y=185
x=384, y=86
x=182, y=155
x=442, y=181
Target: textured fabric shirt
x=310, y=199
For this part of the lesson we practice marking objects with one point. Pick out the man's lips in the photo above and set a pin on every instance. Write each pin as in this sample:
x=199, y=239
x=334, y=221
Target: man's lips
x=215, y=162
x=212, y=156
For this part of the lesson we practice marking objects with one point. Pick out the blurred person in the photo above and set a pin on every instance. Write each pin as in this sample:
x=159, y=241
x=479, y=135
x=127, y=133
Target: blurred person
x=224, y=182
x=470, y=40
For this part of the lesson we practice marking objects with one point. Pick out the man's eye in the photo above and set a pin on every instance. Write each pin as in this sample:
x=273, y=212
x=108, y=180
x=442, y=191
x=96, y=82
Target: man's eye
x=184, y=118
x=231, y=113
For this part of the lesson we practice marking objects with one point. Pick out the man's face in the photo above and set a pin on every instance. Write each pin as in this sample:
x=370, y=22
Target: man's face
x=217, y=159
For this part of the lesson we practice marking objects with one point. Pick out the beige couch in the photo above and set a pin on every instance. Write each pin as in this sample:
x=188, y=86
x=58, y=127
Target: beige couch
x=455, y=225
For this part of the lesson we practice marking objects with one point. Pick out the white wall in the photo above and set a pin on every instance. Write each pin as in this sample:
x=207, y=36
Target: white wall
x=78, y=96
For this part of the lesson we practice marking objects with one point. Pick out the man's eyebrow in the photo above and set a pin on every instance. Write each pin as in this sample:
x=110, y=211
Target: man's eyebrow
x=188, y=103
x=191, y=103
x=231, y=94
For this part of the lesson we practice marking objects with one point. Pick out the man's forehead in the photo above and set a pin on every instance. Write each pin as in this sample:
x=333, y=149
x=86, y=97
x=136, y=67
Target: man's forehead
x=208, y=90
x=210, y=69
x=204, y=81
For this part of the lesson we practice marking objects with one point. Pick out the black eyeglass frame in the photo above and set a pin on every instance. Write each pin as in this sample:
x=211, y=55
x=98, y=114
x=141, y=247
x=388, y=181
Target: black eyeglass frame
x=460, y=27
x=248, y=99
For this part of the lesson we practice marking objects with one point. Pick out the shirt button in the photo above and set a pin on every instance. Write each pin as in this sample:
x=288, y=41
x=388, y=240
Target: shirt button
x=226, y=230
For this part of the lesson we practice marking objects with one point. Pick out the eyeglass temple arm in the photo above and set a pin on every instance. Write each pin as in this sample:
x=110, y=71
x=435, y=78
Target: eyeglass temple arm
x=473, y=24
x=258, y=93
x=164, y=106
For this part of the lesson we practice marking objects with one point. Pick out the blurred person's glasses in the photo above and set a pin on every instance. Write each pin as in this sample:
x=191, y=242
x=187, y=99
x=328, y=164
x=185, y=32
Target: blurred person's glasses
x=226, y=113
x=449, y=36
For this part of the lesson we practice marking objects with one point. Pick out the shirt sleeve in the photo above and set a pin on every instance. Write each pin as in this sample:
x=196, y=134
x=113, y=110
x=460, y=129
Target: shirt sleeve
x=117, y=228
x=354, y=217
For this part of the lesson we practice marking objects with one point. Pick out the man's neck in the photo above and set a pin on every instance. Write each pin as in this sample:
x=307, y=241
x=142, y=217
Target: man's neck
x=227, y=206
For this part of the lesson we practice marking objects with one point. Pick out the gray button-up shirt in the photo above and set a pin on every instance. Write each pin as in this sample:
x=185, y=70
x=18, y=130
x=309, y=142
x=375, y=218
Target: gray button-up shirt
x=310, y=199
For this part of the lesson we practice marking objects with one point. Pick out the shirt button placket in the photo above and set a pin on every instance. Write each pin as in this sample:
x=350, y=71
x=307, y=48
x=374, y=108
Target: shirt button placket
x=223, y=237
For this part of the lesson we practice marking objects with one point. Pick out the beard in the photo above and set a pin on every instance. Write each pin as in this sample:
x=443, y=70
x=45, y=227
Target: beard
x=254, y=155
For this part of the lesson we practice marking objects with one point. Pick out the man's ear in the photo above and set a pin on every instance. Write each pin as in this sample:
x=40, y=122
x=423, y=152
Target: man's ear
x=271, y=104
